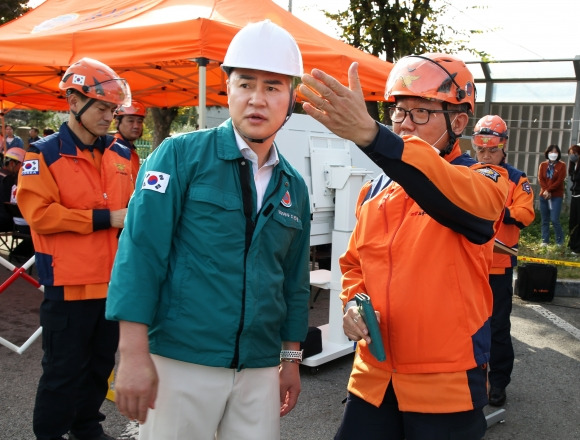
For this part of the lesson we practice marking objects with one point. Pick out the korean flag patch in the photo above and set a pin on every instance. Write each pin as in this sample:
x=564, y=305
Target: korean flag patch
x=78, y=79
x=156, y=181
x=30, y=167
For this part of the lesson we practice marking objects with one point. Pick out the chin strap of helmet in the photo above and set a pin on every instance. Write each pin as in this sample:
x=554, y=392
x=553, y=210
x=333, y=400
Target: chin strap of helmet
x=78, y=115
x=452, y=136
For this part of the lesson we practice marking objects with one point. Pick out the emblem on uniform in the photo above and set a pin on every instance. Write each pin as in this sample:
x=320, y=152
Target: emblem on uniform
x=490, y=173
x=156, y=181
x=527, y=187
x=30, y=167
x=286, y=201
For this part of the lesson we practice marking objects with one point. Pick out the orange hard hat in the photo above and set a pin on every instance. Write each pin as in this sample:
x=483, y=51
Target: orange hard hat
x=432, y=76
x=15, y=153
x=135, y=109
x=97, y=81
x=490, y=131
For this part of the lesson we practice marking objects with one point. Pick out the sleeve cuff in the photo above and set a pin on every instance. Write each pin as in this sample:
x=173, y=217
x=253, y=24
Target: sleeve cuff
x=101, y=219
x=385, y=144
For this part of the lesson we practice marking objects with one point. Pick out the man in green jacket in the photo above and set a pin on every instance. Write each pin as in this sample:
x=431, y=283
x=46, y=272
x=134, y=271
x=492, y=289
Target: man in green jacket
x=211, y=281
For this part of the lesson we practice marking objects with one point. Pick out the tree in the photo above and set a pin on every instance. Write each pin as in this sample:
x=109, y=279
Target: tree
x=162, y=119
x=11, y=9
x=391, y=29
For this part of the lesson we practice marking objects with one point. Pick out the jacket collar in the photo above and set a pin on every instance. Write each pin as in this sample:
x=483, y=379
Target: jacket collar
x=70, y=142
x=227, y=148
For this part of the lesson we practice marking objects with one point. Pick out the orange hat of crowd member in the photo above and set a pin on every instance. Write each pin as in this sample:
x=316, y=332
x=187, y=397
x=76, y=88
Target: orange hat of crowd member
x=490, y=131
x=15, y=153
x=97, y=81
x=135, y=109
x=432, y=76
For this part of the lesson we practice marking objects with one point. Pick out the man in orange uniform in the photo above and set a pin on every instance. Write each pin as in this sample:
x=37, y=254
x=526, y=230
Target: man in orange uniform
x=73, y=192
x=421, y=249
x=129, y=129
x=489, y=141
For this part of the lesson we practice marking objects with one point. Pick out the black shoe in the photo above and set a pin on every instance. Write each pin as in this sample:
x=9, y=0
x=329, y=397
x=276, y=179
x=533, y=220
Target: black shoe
x=103, y=436
x=497, y=396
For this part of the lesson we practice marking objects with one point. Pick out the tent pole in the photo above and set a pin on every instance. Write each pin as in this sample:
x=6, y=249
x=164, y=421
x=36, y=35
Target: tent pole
x=202, y=63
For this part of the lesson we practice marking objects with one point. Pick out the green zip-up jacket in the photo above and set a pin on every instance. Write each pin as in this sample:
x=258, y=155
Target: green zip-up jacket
x=181, y=267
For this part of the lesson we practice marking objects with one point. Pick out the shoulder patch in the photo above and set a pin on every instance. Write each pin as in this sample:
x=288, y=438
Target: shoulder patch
x=30, y=167
x=490, y=173
x=156, y=181
x=527, y=187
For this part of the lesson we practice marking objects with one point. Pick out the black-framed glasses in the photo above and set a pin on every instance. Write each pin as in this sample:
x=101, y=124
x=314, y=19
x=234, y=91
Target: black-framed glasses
x=419, y=116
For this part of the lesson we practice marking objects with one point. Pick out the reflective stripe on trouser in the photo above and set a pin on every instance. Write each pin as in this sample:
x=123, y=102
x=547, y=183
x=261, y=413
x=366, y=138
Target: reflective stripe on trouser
x=195, y=402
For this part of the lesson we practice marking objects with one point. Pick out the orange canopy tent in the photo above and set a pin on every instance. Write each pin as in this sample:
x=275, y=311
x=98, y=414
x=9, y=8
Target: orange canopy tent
x=168, y=50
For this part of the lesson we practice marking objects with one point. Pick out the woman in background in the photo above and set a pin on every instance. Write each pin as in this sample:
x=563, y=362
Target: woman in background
x=551, y=177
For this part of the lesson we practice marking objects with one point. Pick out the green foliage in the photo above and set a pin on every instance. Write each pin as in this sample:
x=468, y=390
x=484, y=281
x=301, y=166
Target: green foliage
x=397, y=28
x=186, y=117
x=530, y=245
x=11, y=9
x=34, y=118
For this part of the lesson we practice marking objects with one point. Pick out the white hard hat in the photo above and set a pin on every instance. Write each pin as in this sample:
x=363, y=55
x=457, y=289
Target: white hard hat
x=264, y=46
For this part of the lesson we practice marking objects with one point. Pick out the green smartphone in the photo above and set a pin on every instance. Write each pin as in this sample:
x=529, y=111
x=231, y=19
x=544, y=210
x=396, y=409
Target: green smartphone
x=367, y=311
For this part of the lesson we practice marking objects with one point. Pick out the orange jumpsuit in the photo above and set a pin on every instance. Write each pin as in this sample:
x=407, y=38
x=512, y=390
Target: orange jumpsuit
x=135, y=160
x=65, y=194
x=422, y=249
x=519, y=213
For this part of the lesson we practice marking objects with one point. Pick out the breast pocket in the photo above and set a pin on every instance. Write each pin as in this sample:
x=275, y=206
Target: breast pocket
x=215, y=196
x=212, y=215
x=284, y=226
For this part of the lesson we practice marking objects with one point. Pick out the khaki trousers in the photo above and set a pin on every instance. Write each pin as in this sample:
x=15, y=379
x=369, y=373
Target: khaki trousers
x=206, y=403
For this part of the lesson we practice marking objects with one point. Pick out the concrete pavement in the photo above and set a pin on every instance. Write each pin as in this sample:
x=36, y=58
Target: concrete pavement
x=543, y=398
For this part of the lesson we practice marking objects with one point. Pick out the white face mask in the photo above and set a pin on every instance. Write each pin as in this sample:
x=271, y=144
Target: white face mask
x=553, y=156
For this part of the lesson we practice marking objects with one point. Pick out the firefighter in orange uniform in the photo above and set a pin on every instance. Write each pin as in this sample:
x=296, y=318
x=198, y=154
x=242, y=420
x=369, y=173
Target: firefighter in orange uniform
x=489, y=141
x=129, y=129
x=73, y=191
x=421, y=249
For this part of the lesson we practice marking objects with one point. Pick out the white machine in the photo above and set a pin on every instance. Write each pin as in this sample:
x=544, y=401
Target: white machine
x=335, y=170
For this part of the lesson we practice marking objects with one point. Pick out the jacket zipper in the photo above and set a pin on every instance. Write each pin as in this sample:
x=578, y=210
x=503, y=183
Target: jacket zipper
x=388, y=302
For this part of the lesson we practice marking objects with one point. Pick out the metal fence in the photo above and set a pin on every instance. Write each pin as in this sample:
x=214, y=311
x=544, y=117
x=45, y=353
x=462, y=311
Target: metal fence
x=144, y=148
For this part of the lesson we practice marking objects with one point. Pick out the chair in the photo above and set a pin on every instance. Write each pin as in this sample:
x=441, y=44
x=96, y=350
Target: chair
x=4, y=240
x=320, y=279
x=21, y=246
x=6, y=232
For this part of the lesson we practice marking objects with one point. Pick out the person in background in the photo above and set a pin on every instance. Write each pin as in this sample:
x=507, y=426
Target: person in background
x=574, y=222
x=33, y=135
x=489, y=140
x=129, y=129
x=551, y=175
x=73, y=192
x=11, y=139
x=47, y=131
x=8, y=178
x=421, y=249
x=212, y=290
